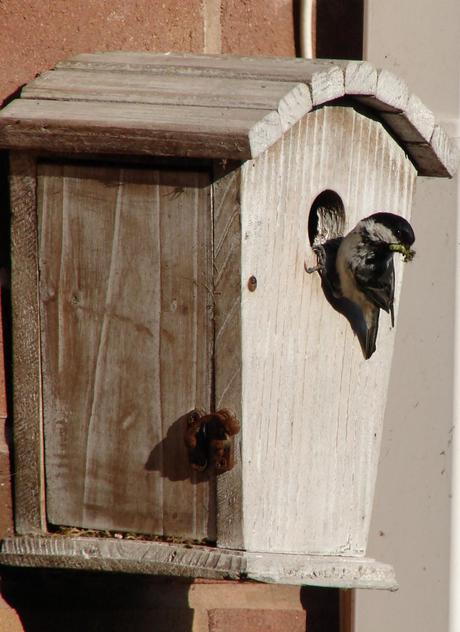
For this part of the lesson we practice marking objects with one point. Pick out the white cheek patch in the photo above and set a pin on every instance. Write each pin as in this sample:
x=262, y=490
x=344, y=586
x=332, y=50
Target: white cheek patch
x=380, y=232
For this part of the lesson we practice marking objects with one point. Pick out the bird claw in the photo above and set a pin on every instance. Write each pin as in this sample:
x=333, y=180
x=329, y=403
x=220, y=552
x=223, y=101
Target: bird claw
x=318, y=268
x=321, y=261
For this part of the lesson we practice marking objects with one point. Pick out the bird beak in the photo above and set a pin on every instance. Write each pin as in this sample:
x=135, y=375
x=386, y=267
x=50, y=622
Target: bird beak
x=407, y=253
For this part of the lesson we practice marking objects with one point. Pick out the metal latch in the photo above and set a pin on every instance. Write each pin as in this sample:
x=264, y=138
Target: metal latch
x=208, y=438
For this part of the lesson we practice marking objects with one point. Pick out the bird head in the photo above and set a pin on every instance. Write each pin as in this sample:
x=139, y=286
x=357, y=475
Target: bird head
x=393, y=231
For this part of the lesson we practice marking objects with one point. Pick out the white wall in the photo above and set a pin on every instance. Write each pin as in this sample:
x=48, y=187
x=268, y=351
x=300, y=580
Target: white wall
x=420, y=41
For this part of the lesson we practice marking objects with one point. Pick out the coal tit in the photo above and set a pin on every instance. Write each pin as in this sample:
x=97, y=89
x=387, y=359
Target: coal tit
x=365, y=269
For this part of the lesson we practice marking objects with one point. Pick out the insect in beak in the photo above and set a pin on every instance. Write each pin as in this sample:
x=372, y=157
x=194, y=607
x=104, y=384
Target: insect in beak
x=407, y=253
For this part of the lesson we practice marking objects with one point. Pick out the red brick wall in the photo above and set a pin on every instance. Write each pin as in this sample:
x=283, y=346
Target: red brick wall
x=38, y=33
x=35, y=35
x=65, y=601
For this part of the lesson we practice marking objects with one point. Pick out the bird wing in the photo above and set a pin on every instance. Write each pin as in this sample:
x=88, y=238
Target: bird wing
x=372, y=323
x=375, y=278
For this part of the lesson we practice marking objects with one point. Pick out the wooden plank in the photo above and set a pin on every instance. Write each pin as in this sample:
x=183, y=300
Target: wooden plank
x=227, y=354
x=324, y=76
x=186, y=342
x=439, y=158
x=195, y=562
x=208, y=99
x=307, y=392
x=27, y=427
x=293, y=105
x=169, y=90
x=70, y=340
x=408, y=118
x=138, y=128
x=391, y=93
x=269, y=68
x=378, y=88
x=414, y=125
x=127, y=344
x=327, y=85
x=264, y=133
x=125, y=556
x=360, y=77
x=318, y=570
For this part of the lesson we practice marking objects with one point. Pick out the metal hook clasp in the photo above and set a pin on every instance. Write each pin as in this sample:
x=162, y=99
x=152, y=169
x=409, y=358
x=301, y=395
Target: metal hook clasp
x=208, y=440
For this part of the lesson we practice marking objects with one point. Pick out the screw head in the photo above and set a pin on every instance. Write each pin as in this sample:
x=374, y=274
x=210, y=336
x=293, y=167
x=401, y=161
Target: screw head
x=252, y=283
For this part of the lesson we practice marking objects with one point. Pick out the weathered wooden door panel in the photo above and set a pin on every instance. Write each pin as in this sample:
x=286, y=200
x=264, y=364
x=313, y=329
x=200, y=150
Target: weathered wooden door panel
x=126, y=320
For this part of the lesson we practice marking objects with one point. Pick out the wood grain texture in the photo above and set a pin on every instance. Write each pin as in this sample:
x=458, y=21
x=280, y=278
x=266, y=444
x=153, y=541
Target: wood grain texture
x=213, y=106
x=227, y=345
x=312, y=407
x=204, y=562
x=392, y=91
x=415, y=124
x=327, y=85
x=27, y=418
x=82, y=127
x=166, y=90
x=383, y=90
x=229, y=66
x=318, y=570
x=360, y=77
x=125, y=260
x=405, y=114
x=105, y=554
x=445, y=151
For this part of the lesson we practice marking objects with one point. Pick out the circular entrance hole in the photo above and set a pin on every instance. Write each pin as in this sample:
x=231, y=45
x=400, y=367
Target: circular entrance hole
x=326, y=219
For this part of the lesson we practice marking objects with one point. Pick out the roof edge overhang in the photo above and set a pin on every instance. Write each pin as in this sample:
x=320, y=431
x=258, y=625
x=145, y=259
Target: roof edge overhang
x=209, y=106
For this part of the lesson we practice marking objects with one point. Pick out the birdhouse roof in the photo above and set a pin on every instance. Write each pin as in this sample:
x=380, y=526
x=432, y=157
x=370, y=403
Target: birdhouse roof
x=209, y=106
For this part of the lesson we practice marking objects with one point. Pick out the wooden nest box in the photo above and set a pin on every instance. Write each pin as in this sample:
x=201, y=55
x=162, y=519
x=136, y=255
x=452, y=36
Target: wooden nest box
x=186, y=401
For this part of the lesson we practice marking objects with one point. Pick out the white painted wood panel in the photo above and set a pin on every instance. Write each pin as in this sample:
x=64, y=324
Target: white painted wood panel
x=312, y=407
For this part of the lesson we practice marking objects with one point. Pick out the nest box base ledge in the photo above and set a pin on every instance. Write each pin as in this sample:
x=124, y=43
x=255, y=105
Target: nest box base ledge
x=190, y=561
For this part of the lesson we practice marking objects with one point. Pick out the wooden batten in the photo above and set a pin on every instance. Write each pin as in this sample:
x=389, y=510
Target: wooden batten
x=227, y=341
x=29, y=484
